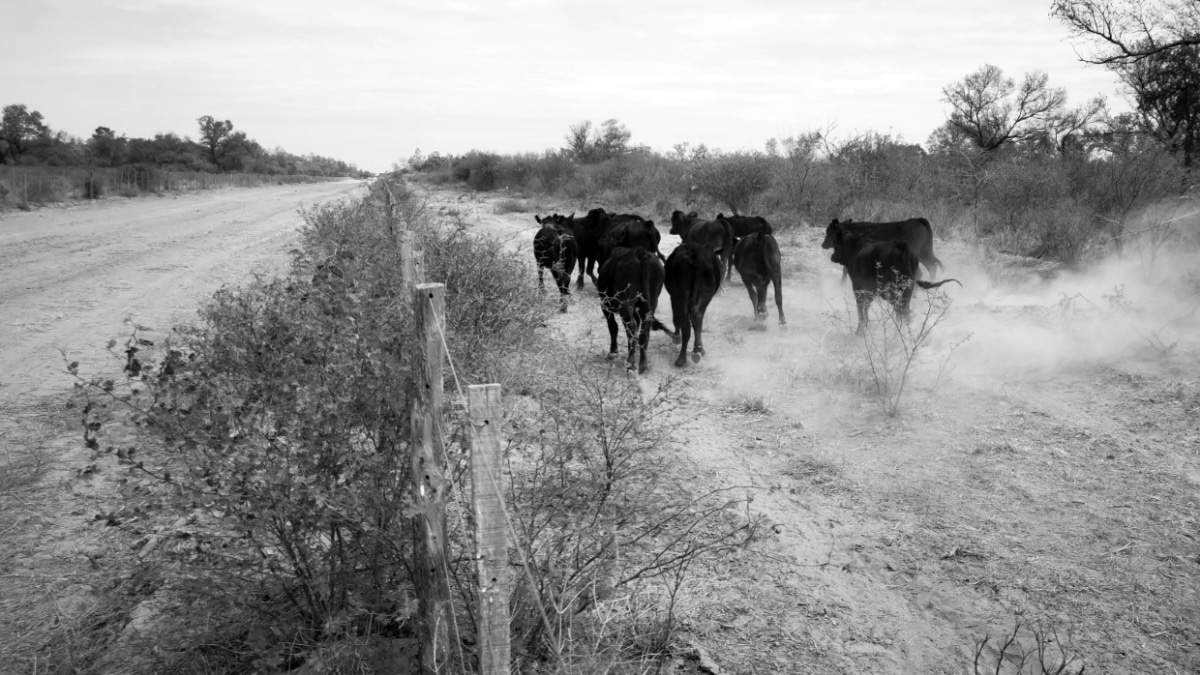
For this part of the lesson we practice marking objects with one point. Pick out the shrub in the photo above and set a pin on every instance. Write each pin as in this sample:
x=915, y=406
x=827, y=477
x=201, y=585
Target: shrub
x=733, y=180
x=892, y=346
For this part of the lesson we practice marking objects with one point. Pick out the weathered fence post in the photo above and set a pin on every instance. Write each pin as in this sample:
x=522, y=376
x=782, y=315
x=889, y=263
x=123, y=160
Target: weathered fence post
x=491, y=555
x=429, y=479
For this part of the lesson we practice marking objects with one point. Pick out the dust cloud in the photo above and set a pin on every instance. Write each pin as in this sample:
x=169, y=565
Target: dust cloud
x=1011, y=319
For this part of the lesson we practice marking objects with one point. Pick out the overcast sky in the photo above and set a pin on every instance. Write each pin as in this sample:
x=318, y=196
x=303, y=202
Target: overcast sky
x=369, y=82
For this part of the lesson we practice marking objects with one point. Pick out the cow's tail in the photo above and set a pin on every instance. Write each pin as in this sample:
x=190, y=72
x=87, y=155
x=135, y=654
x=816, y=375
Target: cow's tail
x=937, y=264
x=929, y=285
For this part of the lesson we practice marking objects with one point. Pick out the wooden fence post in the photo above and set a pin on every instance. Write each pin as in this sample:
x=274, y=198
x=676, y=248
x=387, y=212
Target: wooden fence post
x=429, y=479
x=491, y=555
x=407, y=269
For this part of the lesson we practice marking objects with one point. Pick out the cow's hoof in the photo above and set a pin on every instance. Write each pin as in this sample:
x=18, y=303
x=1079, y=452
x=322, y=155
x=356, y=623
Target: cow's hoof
x=675, y=337
x=696, y=356
x=681, y=362
x=782, y=325
x=563, y=309
x=611, y=356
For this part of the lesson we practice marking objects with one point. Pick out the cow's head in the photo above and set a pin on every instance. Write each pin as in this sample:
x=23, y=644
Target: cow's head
x=680, y=222
x=838, y=239
x=833, y=227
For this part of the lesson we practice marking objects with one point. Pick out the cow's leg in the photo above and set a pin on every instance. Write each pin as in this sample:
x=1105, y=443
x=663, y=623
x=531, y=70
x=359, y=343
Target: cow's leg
x=749, y=283
x=684, y=328
x=698, y=320
x=643, y=345
x=563, y=280
x=777, y=281
x=633, y=329
x=541, y=271
x=583, y=261
x=612, y=329
x=863, y=300
x=760, y=286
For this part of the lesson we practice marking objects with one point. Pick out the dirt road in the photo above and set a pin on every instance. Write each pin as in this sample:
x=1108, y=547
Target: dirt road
x=69, y=276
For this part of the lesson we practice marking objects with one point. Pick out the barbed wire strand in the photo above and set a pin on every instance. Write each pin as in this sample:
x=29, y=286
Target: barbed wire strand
x=512, y=531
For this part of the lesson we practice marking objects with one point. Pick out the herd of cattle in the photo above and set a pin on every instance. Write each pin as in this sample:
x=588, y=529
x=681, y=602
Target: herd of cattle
x=881, y=259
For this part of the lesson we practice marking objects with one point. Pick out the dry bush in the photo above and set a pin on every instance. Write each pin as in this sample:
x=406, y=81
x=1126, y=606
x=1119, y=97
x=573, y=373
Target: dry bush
x=734, y=180
x=1048, y=655
x=891, y=346
x=607, y=534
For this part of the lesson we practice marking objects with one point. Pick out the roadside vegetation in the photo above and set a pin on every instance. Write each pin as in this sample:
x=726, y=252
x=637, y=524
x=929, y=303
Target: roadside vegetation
x=40, y=165
x=264, y=470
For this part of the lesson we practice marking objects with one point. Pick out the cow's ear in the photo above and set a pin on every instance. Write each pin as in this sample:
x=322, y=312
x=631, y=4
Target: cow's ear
x=537, y=218
x=650, y=223
x=720, y=216
x=572, y=216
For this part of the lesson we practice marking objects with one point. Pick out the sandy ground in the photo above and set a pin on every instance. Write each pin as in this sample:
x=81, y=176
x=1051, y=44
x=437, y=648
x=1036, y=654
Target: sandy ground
x=70, y=276
x=1044, y=467
x=1045, y=464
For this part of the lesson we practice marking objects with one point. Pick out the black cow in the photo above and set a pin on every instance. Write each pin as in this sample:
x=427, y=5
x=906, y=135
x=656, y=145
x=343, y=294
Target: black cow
x=717, y=234
x=916, y=232
x=555, y=248
x=631, y=232
x=694, y=274
x=744, y=226
x=757, y=259
x=884, y=268
x=630, y=282
x=587, y=230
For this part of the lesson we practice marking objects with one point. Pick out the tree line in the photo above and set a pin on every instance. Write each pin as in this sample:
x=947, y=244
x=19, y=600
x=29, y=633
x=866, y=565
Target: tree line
x=26, y=139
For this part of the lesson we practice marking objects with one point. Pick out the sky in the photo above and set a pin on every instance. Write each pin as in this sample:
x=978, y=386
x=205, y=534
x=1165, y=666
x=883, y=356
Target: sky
x=371, y=82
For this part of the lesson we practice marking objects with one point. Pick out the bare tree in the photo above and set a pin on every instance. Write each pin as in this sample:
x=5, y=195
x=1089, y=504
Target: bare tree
x=991, y=110
x=1131, y=31
x=581, y=141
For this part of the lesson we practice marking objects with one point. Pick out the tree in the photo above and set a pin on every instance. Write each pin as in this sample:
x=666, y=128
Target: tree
x=581, y=142
x=105, y=148
x=239, y=152
x=214, y=134
x=613, y=141
x=586, y=144
x=1166, y=90
x=1131, y=31
x=1154, y=46
x=19, y=128
x=991, y=110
